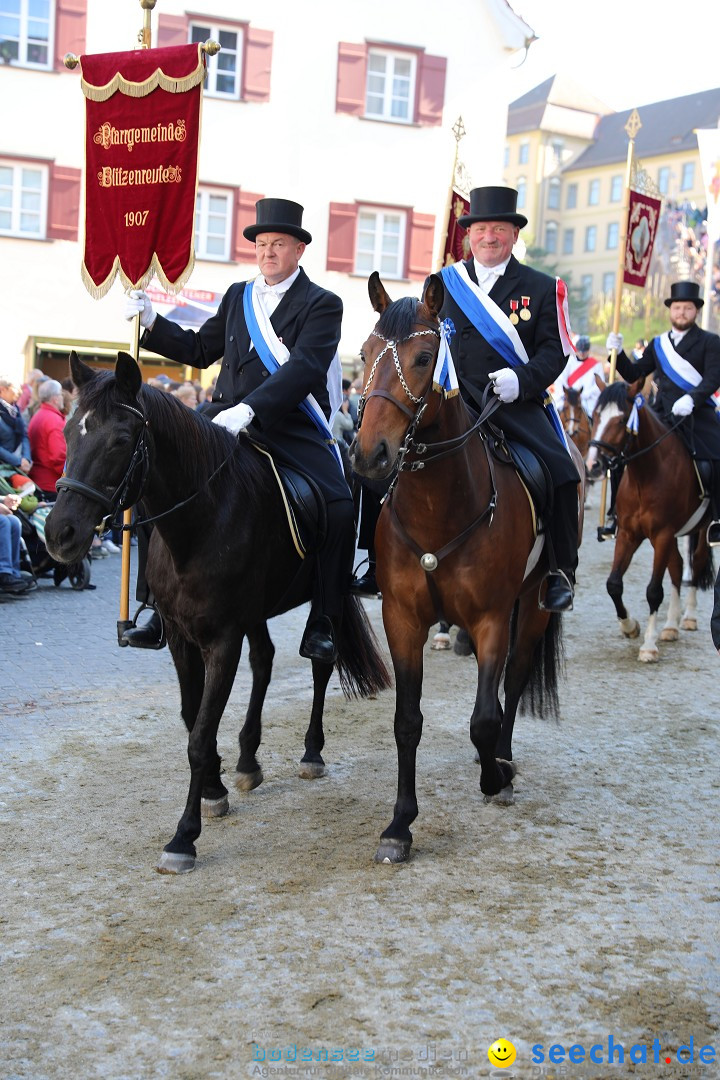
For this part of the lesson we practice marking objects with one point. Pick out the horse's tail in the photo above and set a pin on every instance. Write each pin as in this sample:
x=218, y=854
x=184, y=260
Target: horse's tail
x=362, y=670
x=705, y=578
x=540, y=696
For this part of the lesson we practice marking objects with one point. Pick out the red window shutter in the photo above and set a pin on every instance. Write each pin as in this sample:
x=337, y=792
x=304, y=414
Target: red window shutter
x=244, y=250
x=341, y=237
x=70, y=30
x=257, y=65
x=420, y=245
x=63, y=203
x=431, y=89
x=351, y=78
x=172, y=30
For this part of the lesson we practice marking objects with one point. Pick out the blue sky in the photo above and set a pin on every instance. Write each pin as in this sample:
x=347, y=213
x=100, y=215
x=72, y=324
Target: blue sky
x=625, y=52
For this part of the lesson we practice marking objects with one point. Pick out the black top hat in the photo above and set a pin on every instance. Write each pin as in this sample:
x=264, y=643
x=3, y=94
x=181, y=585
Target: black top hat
x=493, y=204
x=685, y=290
x=279, y=216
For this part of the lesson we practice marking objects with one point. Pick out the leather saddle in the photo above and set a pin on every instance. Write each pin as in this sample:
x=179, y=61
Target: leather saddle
x=304, y=504
x=532, y=471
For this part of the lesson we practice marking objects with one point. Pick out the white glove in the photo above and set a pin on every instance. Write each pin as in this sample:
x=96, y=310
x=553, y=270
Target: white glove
x=614, y=341
x=236, y=419
x=505, y=384
x=683, y=406
x=138, y=303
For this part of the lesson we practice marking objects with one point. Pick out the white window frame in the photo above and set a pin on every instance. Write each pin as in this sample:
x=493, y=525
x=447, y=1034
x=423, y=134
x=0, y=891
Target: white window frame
x=16, y=207
x=521, y=186
x=590, y=230
x=202, y=218
x=571, y=197
x=554, y=193
x=25, y=18
x=524, y=153
x=608, y=279
x=688, y=166
x=594, y=193
x=568, y=241
x=214, y=71
x=377, y=255
x=586, y=287
x=616, y=189
x=387, y=97
x=551, y=230
x=613, y=233
x=663, y=181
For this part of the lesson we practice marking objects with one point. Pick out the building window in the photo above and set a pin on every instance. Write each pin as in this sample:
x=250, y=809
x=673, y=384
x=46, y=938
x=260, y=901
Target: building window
x=524, y=153
x=687, y=179
x=551, y=238
x=571, y=200
x=586, y=287
x=213, y=224
x=223, y=71
x=23, y=200
x=26, y=32
x=390, y=86
x=591, y=238
x=608, y=283
x=664, y=179
x=554, y=194
x=380, y=242
x=613, y=236
x=558, y=146
x=522, y=192
x=616, y=188
x=506, y=157
x=568, y=241
x=594, y=193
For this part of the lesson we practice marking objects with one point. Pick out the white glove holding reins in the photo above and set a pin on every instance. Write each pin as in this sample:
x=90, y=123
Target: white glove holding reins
x=614, y=341
x=137, y=302
x=236, y=419
x=505, y=384
x=683, y=406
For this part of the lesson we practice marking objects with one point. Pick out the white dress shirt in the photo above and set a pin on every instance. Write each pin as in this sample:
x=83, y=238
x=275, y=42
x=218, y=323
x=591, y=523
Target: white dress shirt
x=676, y=337
x=271, y=295
x=488, y=275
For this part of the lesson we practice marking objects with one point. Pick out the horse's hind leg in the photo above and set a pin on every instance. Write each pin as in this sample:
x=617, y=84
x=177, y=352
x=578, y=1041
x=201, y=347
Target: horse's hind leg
x=662, y=553
x=312, y=765
x=530, y=626
x=670, y=631
x=486, y=720
x=191, y=677
x=249, y=774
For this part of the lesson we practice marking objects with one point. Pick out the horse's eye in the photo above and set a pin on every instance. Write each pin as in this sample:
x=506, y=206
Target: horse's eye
x=423, y=359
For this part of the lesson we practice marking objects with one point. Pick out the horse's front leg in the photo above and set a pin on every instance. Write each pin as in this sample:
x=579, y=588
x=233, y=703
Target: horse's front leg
x=221, y=663
x=312, y=765
x=671, y=629
x=406, y=648
x=662, y=550
x=191, y=677
x=625, y=547
x=262, y=651
x=491, y=642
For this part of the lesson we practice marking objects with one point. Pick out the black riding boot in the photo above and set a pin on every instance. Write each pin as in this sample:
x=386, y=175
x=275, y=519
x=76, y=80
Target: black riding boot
x=713, y=529
x=149, y=636
x=560, y=583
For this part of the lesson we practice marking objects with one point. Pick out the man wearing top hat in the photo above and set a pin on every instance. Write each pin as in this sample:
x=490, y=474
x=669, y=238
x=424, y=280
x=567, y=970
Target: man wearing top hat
x=281, y=393
x=511, y=330
x=685, y=362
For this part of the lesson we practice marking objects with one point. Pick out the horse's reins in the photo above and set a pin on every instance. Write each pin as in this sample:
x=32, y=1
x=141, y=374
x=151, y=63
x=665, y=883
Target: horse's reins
x=618, y=458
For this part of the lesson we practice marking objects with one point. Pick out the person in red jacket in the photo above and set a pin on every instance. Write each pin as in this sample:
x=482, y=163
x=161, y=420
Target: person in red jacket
x=47, y=441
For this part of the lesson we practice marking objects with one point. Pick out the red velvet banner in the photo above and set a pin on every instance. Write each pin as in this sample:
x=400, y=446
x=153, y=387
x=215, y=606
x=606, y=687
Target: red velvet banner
x=457, y=247
x=643, y=217
x=141, y=149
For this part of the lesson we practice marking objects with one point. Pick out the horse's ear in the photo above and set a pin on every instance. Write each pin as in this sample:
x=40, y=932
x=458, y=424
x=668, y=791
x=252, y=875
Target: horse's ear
x=566, y=389
x=80, y=373
x=376, y=291
x=600, y=382
x=635, y=388
x=433, y=294
x=127, y=374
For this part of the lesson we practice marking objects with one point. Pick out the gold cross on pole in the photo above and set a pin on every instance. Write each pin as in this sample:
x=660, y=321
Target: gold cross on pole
x=633, y=125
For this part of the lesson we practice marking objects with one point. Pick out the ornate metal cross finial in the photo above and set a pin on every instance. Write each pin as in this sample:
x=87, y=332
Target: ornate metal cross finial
x=458, y=129
x=633, y=125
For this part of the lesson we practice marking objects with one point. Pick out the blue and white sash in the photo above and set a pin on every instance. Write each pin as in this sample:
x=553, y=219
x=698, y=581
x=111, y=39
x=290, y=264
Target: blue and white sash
x=678, y=369
x=273, y=354
x=494, y=325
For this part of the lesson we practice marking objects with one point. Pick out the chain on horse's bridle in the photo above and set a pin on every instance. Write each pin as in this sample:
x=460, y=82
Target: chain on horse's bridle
x=616, y=458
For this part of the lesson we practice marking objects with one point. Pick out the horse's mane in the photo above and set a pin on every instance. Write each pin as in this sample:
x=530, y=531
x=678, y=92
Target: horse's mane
x=201, y=445
x=398, y=319
x=614, y=394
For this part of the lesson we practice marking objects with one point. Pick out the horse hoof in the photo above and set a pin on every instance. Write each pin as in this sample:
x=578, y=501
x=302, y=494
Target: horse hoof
x=214, y=808
x=462, y=646
x=311, y=770
x=171, y=862
x=504, y=797
x=669, y=633
x=648, y=656
x=248, y=781
x=440, y=642
x=630, y=628
x=689, y=624
x=393, y=851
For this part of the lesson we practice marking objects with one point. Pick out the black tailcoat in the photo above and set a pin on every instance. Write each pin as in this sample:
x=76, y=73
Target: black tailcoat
x=524, y=419
x=701, y=430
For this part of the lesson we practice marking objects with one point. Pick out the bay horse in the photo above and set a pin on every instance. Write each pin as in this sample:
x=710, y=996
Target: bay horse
x=221, y=562
x=574, y=419
x=658, y=499
x=455, y=542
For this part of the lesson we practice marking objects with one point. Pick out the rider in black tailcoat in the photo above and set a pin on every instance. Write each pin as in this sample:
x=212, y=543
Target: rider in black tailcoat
x=700, y=431
x=306, y=319
x=534, y=303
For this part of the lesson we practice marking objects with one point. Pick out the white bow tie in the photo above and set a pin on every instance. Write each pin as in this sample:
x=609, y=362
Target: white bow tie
x=491, y=274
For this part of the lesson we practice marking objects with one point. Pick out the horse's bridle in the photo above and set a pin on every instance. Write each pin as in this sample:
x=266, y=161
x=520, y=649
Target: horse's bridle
x=130, y=488
x=616, y=458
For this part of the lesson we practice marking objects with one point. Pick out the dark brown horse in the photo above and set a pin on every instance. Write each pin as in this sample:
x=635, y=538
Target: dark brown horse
x=221, y=562
x=658, y=499
x=455, y=540
x=575, y=420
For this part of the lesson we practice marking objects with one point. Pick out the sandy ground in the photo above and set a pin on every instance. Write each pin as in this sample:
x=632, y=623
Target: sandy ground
x=586, y=911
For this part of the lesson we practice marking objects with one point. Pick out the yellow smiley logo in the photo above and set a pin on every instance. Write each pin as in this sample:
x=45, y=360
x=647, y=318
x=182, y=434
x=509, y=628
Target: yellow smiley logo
x=501, y=1054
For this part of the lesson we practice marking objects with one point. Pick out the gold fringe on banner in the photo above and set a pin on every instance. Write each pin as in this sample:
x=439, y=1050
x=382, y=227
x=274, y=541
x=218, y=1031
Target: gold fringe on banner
x=154, y=270
x=138, y=90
